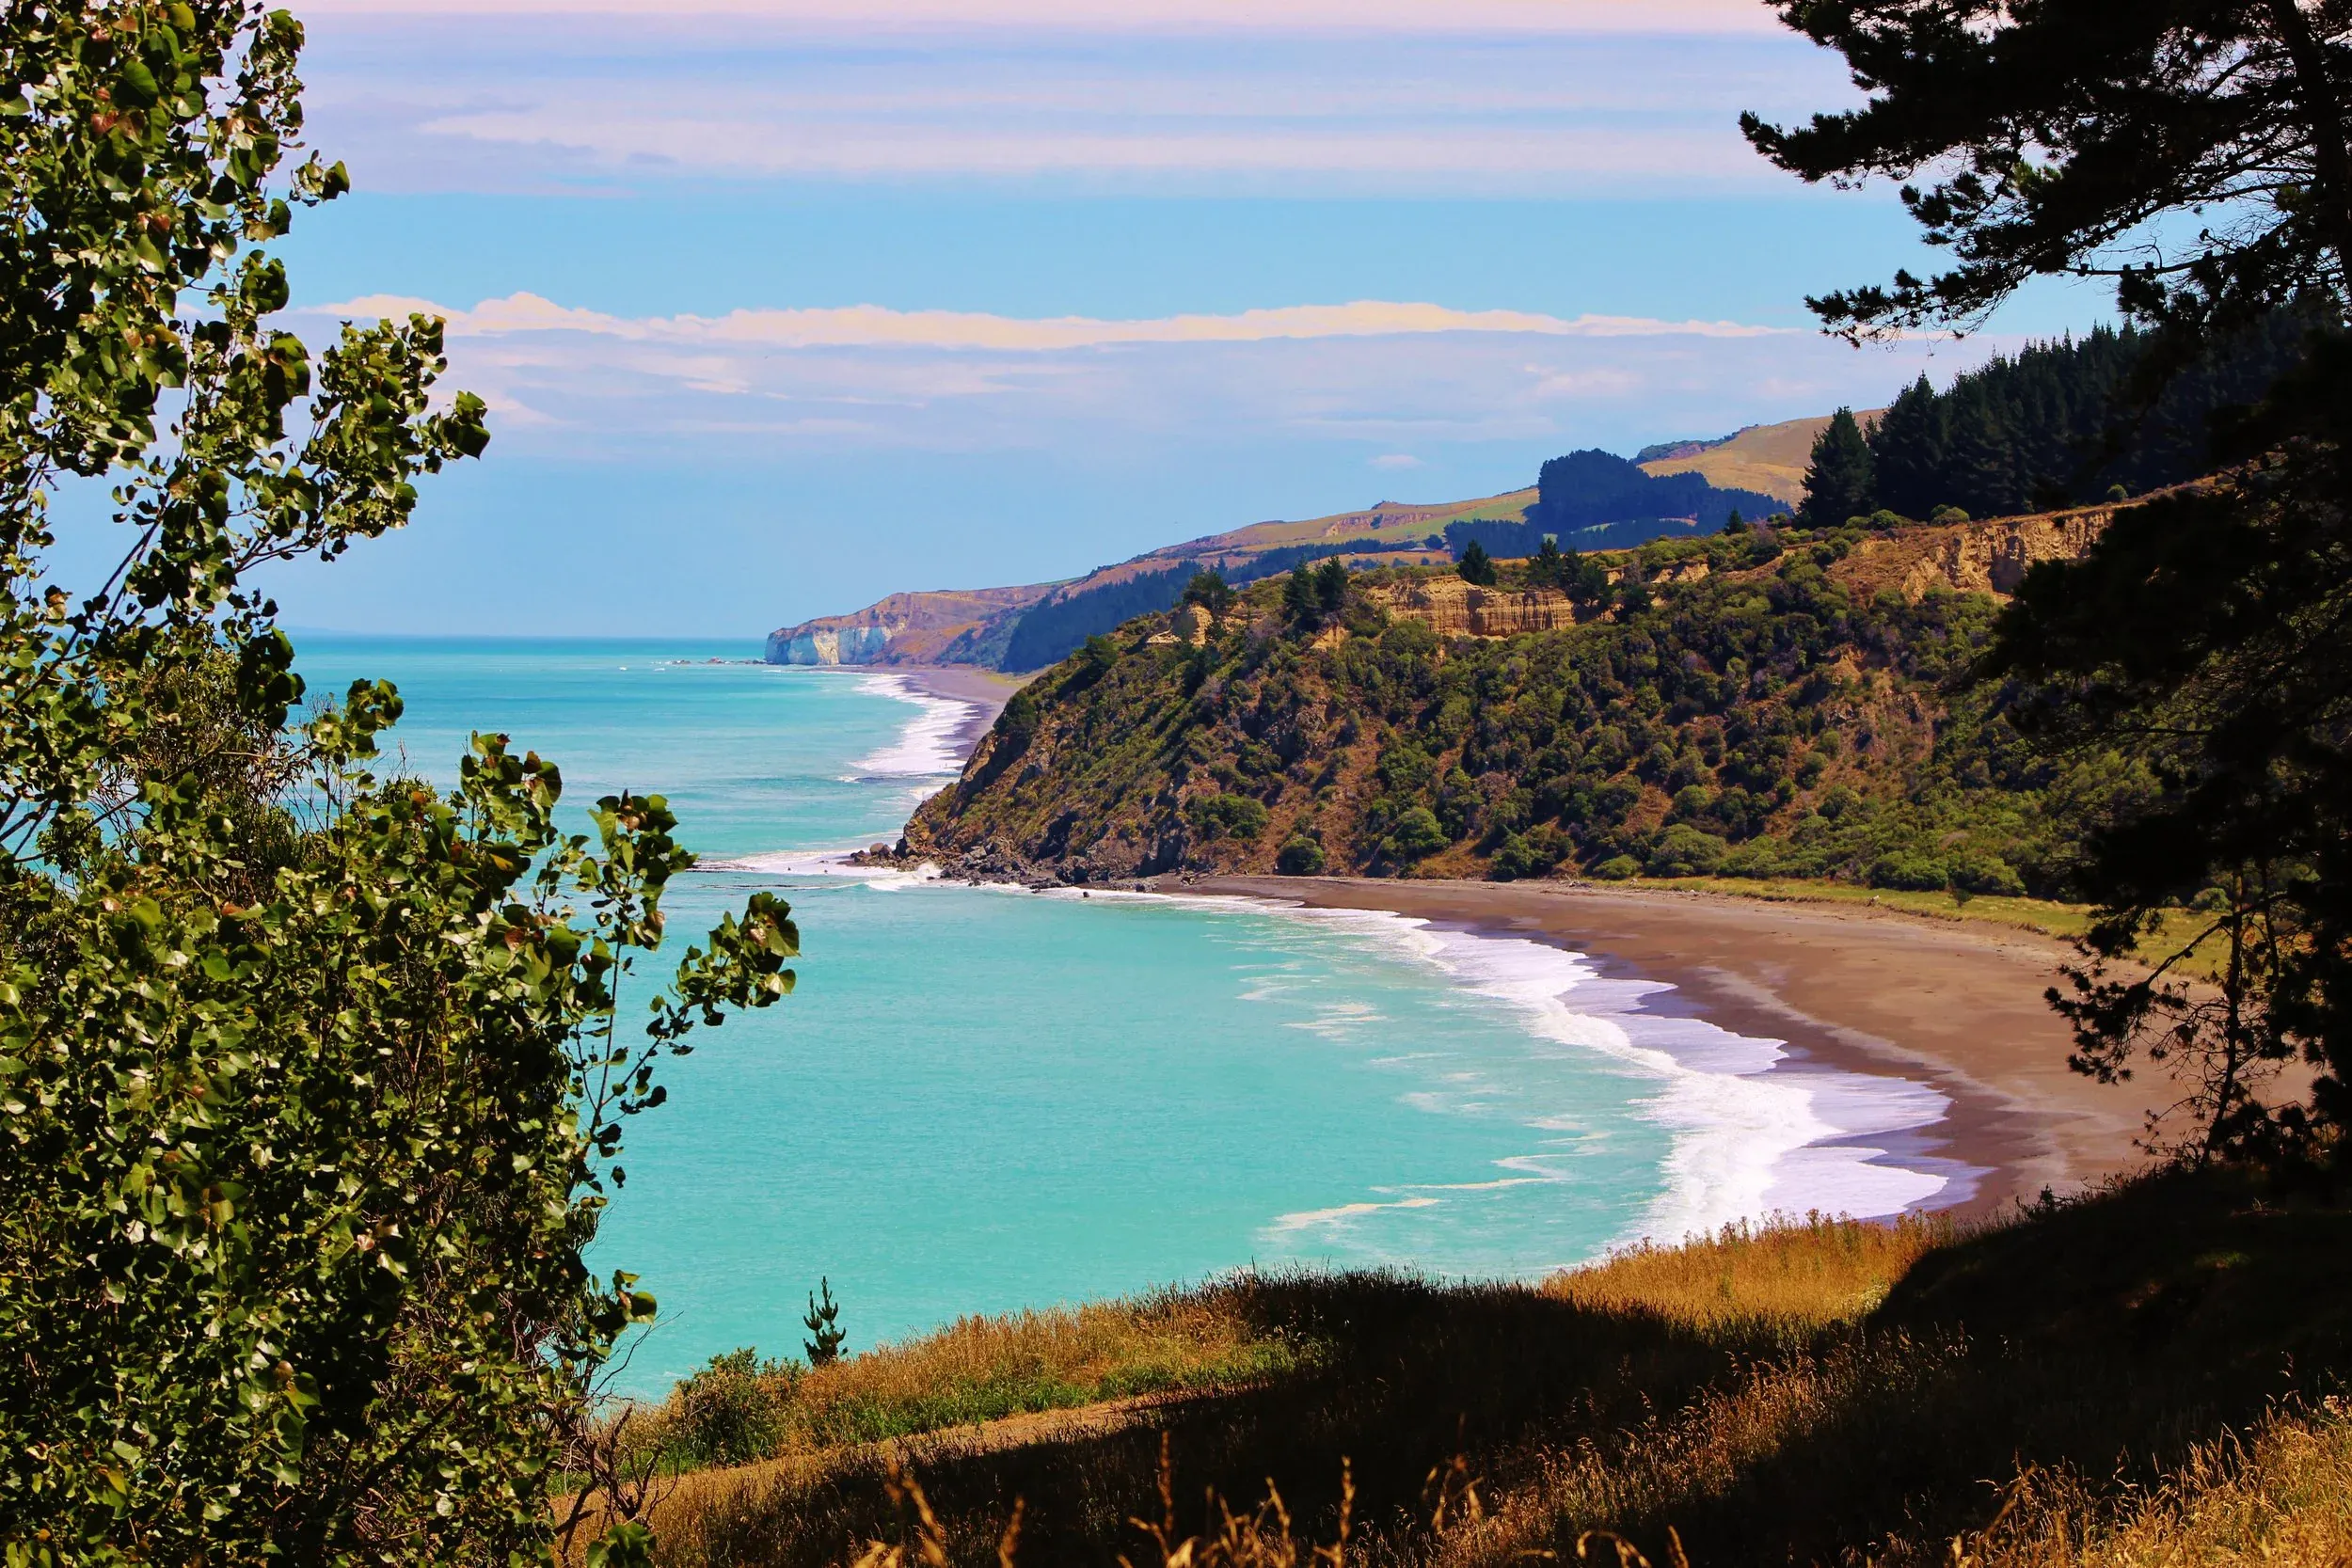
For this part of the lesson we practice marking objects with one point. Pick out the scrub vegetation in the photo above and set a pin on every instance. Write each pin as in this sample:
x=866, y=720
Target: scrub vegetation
x=2147, y=1371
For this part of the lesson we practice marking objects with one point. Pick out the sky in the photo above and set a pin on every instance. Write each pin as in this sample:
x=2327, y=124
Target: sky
x=782, y=305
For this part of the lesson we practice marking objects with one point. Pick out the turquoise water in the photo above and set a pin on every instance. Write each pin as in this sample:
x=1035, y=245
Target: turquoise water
x=985, y=1099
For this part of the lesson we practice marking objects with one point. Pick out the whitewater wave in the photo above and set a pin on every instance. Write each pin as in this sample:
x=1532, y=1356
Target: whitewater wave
x=827, y=863
x=927, y=747
x=1752, y=1135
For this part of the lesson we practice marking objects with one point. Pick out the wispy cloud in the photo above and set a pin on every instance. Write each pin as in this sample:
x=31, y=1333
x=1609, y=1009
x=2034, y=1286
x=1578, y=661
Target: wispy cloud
x=1398, y=380
x=876, y=326
x=420, y=100
x=1254, y=15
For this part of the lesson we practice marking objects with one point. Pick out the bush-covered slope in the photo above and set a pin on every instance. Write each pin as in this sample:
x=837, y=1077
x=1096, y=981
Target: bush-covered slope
x=1772, y=709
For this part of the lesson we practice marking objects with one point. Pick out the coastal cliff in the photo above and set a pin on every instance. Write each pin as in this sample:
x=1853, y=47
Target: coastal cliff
x=1763, y=704
x=1033, y=627
x=904, y=628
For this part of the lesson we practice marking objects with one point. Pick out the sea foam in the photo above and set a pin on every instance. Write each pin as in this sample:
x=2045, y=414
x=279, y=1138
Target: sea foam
x=1754, y=1134
x=927, y=747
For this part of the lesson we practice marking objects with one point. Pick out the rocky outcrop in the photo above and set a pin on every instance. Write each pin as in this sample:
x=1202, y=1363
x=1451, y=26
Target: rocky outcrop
x=904, y=628
x=1991, y=557
x=1453, y=607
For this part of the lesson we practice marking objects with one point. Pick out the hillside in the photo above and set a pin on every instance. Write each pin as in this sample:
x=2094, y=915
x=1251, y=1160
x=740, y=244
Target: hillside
x=1745, y=703
x=2145, y=1377
x=975, y=626
x=1767, y=457
x=1590, y=500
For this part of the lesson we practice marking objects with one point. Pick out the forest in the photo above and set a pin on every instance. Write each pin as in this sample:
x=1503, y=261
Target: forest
x=1771, y=718
x=2064, y=422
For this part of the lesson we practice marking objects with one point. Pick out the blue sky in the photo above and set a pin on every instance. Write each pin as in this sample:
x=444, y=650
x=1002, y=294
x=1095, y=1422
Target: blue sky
x=782, y=304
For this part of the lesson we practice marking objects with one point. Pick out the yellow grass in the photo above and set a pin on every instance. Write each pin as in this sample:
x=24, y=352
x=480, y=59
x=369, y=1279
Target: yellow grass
x=2041, y=917
x=2059, y=1389
x=2281, y=1497
x=980, y=1369
x=1804, y=1274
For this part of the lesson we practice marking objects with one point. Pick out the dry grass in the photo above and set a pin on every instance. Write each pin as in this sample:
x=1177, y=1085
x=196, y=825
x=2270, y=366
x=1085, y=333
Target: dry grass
x=1797, y=1274
x=2041, y=917
x=2281, y=1496
x=1806, y=1392
x=980, y=1369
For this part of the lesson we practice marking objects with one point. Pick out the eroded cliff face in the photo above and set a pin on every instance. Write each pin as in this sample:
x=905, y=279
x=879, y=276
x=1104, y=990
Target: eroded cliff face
x=1453, y=607
x=904, y=628
x=1991, y=557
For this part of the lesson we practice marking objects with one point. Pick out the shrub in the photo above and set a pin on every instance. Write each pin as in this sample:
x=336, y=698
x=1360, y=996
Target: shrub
x=1987, y=874
x=1228, y=816
x=1300, y=856
x=732, y=1412
x=1416, y=836
x=1616, y=868
x=1532, y=854
x=1683, y=850
x=1910, y=871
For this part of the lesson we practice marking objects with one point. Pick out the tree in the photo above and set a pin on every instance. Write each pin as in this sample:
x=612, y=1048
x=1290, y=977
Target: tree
x=1586, y=580
x=1330, y=587
x=1301, y=602
x=824, y=1323
x=1548, y=567
x=1476, y=565
x=2058, y=133
x=2202, y=633
x=1838, y=482
x=1210, y=591
x=315, y=1075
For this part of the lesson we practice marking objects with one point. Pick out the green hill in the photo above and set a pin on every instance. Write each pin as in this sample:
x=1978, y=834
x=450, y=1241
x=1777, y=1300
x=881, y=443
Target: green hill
x=1746, y=704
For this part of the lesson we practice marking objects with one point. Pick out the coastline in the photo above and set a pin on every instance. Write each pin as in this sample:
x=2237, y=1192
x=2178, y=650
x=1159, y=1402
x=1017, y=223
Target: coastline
x=984, y=691
x=1870, y=993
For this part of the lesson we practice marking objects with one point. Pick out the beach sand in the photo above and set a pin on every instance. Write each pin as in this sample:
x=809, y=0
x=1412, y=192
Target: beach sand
x=1958, y=1007
x=986, y=690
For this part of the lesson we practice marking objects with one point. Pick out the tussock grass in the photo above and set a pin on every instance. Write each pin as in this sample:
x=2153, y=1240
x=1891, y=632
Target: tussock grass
x=1797, y=1274
x=1805, y=1392
x=2041, y=917
x=976, y=1369
x=2281, y=1497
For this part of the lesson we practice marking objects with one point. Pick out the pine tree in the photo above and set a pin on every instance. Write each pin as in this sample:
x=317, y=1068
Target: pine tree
x=1548, y=567
x=824, y=1326
x=2202, y=633
x=1330, y=587
x=1300, y=602
x=1907, y=451
x=1838, y=483
x=1477, y=566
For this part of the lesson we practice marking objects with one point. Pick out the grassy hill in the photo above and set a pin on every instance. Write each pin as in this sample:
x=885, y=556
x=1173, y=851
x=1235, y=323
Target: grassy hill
x=978, y=626
x=1767, y=457
x=2141, y=1377
x=1751, y=705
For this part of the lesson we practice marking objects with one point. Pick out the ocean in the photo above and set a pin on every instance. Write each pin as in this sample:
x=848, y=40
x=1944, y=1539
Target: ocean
x=984, y=1099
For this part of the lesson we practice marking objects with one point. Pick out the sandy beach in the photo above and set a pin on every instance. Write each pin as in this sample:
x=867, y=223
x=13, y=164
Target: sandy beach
x=986, y=690
x=1956, y=1006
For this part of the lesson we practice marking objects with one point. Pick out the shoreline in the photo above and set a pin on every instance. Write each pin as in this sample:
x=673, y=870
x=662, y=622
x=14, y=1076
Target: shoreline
x=985, y=691
x=1874, y=994
x=1848, y=992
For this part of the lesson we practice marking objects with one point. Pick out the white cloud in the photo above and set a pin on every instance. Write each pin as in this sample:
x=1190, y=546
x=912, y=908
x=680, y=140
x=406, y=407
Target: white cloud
x=1433, y=99
x=1396, y=383
x=878, y=326
x=1642, y=16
